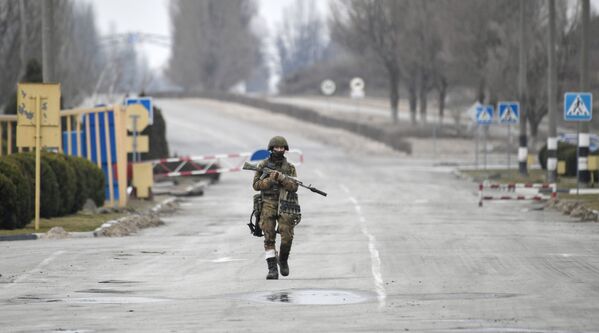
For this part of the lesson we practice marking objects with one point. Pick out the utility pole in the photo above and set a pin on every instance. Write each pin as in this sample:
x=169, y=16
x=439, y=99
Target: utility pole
x=584, y=175
x=522, y=95
x=47, y=26
x=552, y=98
x=23, y=46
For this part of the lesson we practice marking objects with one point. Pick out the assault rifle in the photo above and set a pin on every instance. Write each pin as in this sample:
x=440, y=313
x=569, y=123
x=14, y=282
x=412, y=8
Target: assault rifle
x=267, y=171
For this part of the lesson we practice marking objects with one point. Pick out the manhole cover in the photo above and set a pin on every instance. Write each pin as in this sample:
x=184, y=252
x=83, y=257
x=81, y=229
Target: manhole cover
x=310, y=296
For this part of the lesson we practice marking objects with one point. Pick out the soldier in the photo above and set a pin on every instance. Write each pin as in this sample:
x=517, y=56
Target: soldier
x=279, y=204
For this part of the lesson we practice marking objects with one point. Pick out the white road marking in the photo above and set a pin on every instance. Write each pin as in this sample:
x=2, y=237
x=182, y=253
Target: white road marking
x=344, y=188
x=225, y=259
x=35, y=269
x=375, y=258
x=319, y=173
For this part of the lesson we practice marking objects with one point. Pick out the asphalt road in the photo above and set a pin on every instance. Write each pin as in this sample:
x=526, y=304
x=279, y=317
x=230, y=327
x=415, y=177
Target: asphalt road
x=398, y=245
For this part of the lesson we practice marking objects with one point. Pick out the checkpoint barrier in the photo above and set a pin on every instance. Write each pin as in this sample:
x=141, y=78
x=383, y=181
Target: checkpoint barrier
x=210, y=164
x=513, y=188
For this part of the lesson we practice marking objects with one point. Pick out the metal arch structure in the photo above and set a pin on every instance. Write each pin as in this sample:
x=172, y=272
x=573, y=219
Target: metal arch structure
x=134, y=38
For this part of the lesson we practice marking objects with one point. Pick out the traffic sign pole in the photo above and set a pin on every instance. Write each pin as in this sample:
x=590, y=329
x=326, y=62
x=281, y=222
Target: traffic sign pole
x=509, y=145
x=476, y=145
x=38, y=156
x=485, y=146
x=577, y=159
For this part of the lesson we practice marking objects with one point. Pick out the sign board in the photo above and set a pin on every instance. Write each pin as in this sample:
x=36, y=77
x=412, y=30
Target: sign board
x=328, y=87
x=143, y=144
x=356, y=86
x=484, y=114
x=509, y=112
x=578, y=106
x=146, y=102
x=44, y=97
x=260, y=155
x=137, y=117
x=143, y=179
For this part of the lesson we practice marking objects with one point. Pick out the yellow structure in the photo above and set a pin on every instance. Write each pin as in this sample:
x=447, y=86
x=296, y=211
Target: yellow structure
x=77, y=116
x=50, y=131
x=38, y=124
x=137, y=120
x=38, y=104
x=561, y=167
x=531, y=160
x=143, y=179
x=593, y=163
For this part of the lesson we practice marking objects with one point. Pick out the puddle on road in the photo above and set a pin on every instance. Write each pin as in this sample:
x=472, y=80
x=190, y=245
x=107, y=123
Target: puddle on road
x=89, y=300
x=104, y=291
x=309, y=296
x=112, y=300
x=119, y=281
x=456, y=296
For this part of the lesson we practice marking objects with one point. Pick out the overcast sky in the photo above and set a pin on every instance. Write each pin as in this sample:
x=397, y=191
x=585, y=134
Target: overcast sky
x=152, y=16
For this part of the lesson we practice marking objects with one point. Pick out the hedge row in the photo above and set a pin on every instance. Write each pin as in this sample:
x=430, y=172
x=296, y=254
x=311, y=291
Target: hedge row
x=66, y=183
x=565, y=152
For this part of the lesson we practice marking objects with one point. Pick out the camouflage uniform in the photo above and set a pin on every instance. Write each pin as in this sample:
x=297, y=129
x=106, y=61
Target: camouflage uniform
x=277, y=195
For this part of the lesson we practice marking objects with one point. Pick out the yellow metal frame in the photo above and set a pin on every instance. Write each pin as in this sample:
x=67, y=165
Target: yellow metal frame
x=8, y=125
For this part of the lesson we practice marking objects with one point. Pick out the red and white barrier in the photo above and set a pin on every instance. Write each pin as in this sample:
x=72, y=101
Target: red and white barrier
x=210, y=164
x=513, y=188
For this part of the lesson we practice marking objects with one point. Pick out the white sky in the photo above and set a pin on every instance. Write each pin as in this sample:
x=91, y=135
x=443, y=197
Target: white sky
x=152, y=16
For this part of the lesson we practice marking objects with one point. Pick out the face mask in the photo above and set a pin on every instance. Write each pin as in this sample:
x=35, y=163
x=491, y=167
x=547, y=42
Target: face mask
x=277, y=154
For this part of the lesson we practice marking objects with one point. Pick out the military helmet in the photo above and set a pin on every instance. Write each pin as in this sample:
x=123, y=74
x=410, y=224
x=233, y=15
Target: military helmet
x=277, y=141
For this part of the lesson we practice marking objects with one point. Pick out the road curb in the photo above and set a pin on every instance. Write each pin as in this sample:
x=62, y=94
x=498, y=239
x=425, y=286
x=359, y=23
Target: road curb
x=18, y=237
x=157, y=209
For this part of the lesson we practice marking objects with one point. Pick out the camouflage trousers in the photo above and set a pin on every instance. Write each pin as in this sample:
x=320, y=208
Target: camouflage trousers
x=268, y=222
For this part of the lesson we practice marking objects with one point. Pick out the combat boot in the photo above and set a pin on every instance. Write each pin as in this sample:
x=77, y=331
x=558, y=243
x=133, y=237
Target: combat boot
x=273, y=272
x=283, y=257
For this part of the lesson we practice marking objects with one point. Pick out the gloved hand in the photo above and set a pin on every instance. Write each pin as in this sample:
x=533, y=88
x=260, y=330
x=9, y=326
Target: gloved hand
x=277, y=176
x=266, y=183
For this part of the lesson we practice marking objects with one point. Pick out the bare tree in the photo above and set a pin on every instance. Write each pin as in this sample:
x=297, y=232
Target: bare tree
x=213, y=45
x=75, y=48
x=373, y=28
x=301, y=39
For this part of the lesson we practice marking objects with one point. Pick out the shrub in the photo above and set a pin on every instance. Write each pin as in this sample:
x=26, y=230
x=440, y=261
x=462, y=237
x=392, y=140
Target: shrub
x=50, y=196
x=90, y=182
x=66, y=180
x=565, y=152
x=8, y=208
x=157, y=137
x=24, y=209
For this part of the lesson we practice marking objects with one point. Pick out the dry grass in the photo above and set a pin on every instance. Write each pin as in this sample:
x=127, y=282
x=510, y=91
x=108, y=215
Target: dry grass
x=71, y=223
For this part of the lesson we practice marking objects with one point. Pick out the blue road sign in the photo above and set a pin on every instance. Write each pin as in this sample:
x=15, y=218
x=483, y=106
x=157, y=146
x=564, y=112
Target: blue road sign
x=147, y=104
x=509, y=112
x=578, y=106
x=484, y=114
x=260, y=155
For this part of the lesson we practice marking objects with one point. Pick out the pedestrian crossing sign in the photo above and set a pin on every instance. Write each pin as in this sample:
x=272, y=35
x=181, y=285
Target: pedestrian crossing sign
x=509, y=112
x=578, y=106
x=484, y=114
